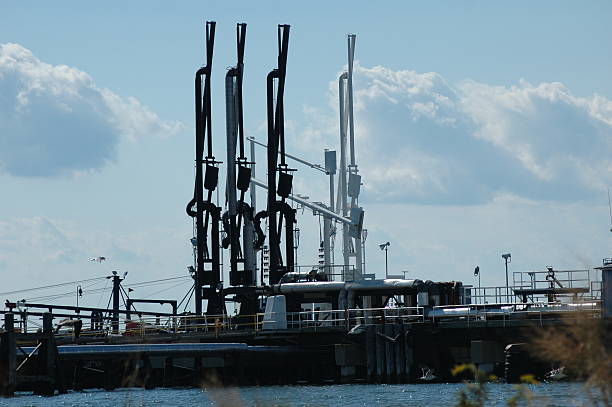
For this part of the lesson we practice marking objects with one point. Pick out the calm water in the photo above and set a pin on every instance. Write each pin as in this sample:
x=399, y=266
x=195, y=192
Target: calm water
x=430, y=395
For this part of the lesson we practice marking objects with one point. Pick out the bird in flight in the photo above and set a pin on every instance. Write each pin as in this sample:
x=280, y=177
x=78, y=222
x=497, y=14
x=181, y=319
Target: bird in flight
x=98, y=259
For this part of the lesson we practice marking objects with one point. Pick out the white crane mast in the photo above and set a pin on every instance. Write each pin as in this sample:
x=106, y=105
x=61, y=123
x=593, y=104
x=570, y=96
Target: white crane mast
x=350, y=182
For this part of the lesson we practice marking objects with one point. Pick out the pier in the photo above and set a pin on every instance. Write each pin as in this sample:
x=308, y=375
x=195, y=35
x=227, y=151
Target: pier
x=400, y=344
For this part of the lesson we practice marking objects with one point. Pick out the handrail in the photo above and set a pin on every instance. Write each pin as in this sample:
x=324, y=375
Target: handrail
x=345, y=319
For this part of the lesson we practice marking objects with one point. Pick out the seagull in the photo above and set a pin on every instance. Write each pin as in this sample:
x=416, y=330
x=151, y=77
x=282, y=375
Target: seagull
x=98, y=259
x=427, y=375
x=556, y=374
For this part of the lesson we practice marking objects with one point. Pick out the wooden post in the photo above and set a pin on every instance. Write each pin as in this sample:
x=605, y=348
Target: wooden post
x=400, y=352
x=169, y=372
x=8, y=357
x=46, y=355
x=408, y=353
x=380, y=352
x=371, y=351
x=389, y=352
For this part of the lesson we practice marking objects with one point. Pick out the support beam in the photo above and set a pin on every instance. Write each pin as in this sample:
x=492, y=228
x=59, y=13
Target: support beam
x=313, y=206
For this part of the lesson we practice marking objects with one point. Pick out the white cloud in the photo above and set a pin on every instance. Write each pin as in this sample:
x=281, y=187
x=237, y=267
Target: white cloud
x=54, y=119
x=422, y=140
x=558, y=137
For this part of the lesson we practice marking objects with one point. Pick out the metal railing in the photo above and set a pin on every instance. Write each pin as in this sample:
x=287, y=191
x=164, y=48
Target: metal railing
x=335, y=272
x=518, y=311
x=550, y=278
x=596, y=287
x=351, y=318
x=347, y=319
x=572, y=279
x=489, y=295
x=303, y=320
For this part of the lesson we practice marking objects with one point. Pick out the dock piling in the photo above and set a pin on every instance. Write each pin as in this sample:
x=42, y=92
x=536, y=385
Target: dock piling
x=8, y=357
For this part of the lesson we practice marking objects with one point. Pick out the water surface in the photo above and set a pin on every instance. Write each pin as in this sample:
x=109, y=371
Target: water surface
x=430, y=395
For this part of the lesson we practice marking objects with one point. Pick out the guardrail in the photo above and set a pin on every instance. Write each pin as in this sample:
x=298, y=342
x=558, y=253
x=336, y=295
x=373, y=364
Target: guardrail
x=497, y=295
x=311, y=320
x=551, y=278
x=334, y=272
x=348, y=319
x=504, y=312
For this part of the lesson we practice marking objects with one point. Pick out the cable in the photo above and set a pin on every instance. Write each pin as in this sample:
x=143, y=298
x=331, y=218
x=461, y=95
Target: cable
x=165, y=289
x=87, y=289
x=126, y=296
x=151, y=282
x=100, y=298
x=102, y=290
x=50, y=286
x=189, y=299
x=109, y=301
x=123, y=298
x=188, y=292
x=65, y=294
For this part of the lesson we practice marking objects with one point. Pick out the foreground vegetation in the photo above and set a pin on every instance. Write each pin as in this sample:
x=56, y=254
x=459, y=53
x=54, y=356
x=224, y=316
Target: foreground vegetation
x=582, y=346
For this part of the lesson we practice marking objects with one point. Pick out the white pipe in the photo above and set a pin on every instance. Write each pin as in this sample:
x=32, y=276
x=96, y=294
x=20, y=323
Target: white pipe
x=362, y=285
x=351, y=56
x=252, y=190
x=353, y=165
x=386, y=284
x=342, y=187
x=310, y=287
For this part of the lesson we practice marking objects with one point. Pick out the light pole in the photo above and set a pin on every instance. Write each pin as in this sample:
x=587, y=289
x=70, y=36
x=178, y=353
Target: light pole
x=477, y=273
x=79, y=293
x=507, y=258
x=385, y=247
x=128, y=315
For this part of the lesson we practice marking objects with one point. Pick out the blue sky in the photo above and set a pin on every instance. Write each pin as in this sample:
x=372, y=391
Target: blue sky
x=482, y=128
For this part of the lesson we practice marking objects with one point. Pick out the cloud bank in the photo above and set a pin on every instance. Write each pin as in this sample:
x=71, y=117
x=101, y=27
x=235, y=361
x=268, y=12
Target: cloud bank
x=421, y=140
x=54, y=120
